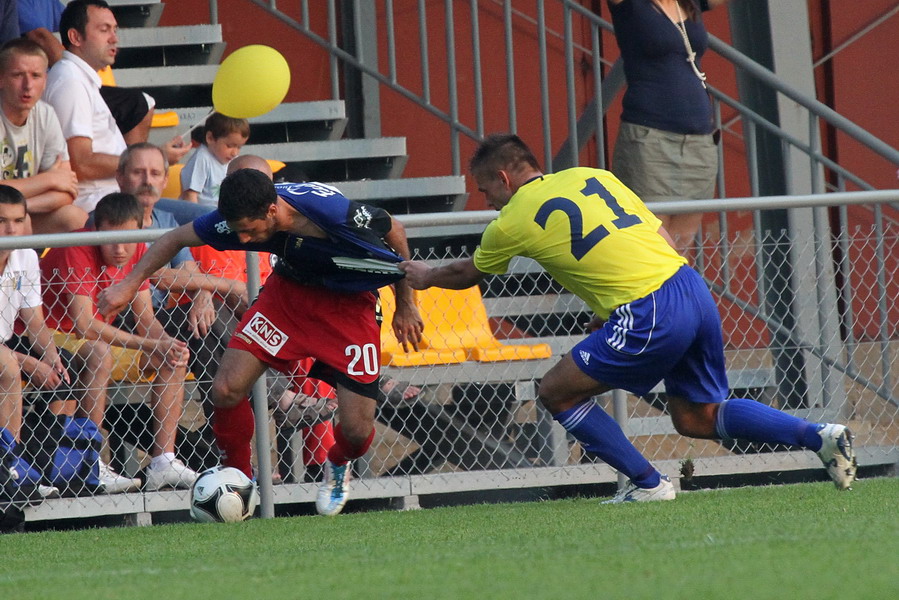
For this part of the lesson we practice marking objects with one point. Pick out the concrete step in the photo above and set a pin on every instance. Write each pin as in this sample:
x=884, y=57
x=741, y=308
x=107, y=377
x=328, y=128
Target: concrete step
x=138, y=13
x=408, y=196
x=337, y=160
x=169, y=46
x=172, y=86
x=288, y=122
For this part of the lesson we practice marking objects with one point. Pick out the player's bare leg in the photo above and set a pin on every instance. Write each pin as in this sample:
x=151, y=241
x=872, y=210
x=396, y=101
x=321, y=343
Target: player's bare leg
x=233, y=422
x=353, y=437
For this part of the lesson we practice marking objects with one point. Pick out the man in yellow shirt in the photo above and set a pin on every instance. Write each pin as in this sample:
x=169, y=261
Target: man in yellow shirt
x=655, y=318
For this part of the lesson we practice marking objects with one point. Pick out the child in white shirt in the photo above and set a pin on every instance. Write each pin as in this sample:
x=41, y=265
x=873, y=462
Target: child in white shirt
x=205, y=170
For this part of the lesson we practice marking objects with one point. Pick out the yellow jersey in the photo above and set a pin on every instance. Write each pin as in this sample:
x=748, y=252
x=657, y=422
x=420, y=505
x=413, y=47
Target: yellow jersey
x=589, y=231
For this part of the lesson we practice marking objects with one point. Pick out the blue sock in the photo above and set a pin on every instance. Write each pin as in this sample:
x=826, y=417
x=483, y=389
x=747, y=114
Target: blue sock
x=601, y=435
x=744, y=419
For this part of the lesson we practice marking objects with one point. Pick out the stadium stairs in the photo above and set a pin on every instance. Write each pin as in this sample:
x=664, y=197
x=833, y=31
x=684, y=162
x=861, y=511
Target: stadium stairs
x=177, y=66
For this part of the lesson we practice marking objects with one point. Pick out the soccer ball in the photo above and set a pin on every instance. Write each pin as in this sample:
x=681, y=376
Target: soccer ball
x=223, y=494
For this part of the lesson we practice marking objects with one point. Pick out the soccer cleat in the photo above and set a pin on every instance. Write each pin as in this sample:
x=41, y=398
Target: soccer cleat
x=632, y=493
x=113, y=483
x=174, y=474
x=335, y=490
x=838, y=455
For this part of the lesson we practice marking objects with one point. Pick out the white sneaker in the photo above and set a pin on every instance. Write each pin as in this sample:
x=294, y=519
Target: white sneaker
x=632, y=493
x=47, y=491
x=113, y=483
x=174, y=474
x=838, y=455
x=335, y=490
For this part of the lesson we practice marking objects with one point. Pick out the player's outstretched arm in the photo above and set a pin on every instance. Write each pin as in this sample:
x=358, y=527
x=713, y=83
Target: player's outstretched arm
x=457, y=275
x=115, y=298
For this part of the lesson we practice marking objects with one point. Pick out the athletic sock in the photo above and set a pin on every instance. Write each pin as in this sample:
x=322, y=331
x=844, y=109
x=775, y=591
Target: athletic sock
x=343, y=451
x=601, y=435
x=233, y=428
x=740, y=418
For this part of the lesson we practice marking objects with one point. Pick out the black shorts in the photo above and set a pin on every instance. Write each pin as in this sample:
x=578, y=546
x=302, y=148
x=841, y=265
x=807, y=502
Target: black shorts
x=65, y=391
x=128, y=106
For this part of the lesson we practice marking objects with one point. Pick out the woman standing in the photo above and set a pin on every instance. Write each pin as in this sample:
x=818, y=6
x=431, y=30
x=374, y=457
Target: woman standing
x=666, y=146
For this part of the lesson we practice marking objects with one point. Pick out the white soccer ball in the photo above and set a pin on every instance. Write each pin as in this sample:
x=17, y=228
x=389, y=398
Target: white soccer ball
x=223, y=494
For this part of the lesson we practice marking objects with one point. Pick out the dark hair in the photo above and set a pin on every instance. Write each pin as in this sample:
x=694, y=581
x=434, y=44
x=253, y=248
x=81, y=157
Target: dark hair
x=502, y=151
x=125, y=157
x=74, y=16
x=22, y=46
x=246, y=194
x=10, y=195
x=117, y=209
x=219, y=126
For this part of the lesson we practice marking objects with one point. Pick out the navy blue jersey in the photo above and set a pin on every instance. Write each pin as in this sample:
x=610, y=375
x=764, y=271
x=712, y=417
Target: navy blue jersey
x=354, y=230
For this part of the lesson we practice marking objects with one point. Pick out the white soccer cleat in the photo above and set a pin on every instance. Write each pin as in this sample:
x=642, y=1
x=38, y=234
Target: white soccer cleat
x=335, y=490
x=838, y=455
x=113, y=483
x=174, y=474
x=632, y=493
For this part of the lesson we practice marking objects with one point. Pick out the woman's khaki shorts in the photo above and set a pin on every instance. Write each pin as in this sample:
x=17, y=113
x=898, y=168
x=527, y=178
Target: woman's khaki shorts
x=660, y=165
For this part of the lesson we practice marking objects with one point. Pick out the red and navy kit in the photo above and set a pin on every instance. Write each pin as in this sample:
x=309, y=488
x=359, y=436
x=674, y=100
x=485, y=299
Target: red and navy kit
x=309, y=307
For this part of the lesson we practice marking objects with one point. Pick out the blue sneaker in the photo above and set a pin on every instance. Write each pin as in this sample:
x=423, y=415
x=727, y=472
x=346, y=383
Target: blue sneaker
x=632, y=493
x=335, y=490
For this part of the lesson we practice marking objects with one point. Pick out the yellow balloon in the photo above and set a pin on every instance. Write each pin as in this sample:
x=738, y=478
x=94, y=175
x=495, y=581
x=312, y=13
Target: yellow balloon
x=250, y=82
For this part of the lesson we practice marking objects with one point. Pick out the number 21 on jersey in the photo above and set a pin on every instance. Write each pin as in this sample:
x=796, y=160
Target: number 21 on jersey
x=581, y=244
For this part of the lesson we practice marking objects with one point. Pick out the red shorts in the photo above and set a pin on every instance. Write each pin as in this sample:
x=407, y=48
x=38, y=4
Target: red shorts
x=289, y=322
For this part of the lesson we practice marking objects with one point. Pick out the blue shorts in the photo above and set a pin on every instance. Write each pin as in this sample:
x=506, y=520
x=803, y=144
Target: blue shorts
x=673, y=334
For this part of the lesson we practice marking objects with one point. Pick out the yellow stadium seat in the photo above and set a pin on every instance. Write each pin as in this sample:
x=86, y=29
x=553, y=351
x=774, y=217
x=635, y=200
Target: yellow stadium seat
x=165, y=119
x=392, y=352
x=173, y=185
x=462, y=322
x=106, y=76
x=456, y=329
x=276, y=165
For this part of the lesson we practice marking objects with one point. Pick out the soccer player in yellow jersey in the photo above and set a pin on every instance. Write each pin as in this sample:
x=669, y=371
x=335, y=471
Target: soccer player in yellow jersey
x=655, y=318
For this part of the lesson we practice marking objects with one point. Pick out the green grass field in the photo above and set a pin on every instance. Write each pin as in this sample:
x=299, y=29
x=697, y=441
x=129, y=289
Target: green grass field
x=785, y=542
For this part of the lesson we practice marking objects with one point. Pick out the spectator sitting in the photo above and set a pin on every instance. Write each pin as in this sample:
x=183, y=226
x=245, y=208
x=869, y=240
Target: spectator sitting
x=89, y=35
x=73, y=277
x=33, y=149
x=142, y=172
x=205, y=170
x=132, y=109
x=36, y=356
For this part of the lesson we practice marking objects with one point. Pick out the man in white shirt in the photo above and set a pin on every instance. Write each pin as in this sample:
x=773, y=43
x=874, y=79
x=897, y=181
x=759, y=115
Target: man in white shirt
x=88, y=30
x=34, y=356
x=33, y=153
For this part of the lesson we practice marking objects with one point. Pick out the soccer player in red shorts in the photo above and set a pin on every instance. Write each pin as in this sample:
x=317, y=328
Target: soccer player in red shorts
x=313, y=305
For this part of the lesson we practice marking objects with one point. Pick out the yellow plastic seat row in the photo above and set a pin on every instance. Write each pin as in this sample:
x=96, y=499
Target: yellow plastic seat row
x=456, y=329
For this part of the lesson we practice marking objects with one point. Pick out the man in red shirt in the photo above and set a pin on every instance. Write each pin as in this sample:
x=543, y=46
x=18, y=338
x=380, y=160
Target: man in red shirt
x=73, y=278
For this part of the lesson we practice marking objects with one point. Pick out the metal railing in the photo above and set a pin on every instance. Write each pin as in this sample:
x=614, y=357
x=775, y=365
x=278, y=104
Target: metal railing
x=477, y=425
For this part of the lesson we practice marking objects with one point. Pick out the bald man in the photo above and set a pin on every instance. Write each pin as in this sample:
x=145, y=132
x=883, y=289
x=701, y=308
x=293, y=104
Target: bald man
x=251, y=161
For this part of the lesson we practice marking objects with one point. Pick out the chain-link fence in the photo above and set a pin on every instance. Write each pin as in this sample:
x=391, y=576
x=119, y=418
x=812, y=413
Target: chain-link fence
x=811, y=326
